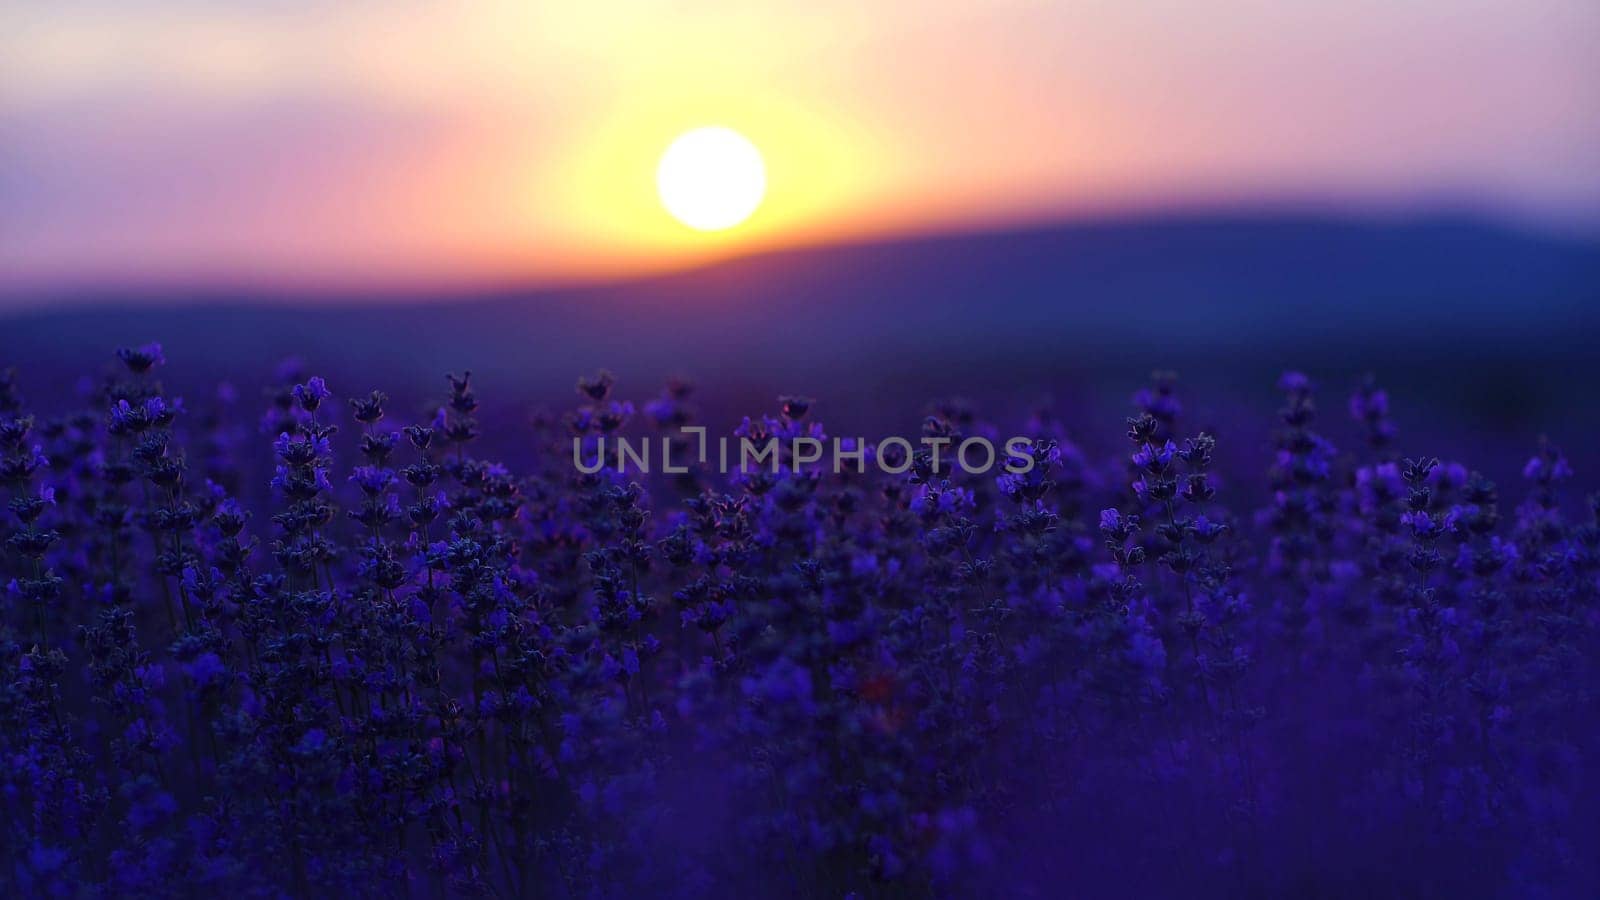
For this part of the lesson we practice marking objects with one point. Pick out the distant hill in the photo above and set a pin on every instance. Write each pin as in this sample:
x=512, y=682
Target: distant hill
x=1429, y=296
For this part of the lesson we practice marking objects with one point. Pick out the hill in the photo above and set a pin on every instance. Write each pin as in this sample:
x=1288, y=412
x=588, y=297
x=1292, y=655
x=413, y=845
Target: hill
x=1231, y=295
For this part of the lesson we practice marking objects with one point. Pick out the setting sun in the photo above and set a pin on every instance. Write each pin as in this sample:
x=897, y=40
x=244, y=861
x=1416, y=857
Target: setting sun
x=711, y=178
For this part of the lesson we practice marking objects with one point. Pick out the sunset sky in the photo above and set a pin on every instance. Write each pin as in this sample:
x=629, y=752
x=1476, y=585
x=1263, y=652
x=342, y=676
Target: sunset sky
x=380, y=144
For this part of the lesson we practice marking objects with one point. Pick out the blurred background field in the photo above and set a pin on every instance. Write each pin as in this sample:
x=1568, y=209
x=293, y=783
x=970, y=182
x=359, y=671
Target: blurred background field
x=1478, y=328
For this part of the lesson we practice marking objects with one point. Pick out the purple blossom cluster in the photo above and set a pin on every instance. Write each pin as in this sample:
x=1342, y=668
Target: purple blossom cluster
x=382, y=665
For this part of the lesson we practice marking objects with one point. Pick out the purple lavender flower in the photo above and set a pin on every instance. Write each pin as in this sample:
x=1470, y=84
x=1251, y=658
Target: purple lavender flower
x=492, y=674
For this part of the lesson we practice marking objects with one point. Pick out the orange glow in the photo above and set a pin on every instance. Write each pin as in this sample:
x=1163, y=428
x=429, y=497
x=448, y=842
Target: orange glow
x=496, y=140
x=815, y=167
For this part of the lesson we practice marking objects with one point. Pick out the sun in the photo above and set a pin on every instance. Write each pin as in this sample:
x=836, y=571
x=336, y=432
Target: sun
x=711, y=178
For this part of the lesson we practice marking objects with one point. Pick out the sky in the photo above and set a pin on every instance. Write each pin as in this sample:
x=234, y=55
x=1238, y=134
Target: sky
x=411, y=144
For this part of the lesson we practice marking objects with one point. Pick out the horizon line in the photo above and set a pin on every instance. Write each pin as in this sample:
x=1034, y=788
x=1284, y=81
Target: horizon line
x=366, y=288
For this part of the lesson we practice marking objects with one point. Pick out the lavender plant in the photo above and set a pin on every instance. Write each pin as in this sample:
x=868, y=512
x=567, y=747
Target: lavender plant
x=352, y=656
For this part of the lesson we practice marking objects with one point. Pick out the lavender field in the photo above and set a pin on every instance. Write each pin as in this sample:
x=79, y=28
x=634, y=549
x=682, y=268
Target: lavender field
x=316, y=642
x=743, y=449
